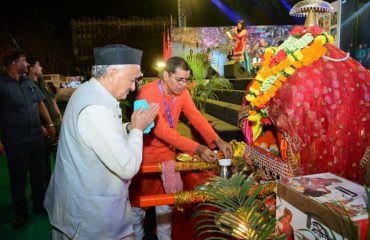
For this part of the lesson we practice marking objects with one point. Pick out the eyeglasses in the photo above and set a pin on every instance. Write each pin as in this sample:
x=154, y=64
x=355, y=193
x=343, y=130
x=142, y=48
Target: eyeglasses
x=181, y=80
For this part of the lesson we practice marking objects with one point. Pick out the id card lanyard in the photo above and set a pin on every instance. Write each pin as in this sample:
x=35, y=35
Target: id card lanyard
x=168, y=112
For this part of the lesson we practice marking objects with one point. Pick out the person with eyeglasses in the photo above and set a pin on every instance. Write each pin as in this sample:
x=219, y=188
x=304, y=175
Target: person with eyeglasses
x=97, y=156
x=160, y=144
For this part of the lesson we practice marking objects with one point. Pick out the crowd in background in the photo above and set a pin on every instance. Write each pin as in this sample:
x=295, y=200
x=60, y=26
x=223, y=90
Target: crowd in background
x=361, y=53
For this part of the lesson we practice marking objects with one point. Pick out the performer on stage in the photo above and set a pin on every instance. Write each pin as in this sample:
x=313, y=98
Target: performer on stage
x=239, y=34
x=160, y=145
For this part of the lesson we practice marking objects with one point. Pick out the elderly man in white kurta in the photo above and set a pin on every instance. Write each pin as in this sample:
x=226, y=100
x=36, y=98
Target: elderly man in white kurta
x=97, y=155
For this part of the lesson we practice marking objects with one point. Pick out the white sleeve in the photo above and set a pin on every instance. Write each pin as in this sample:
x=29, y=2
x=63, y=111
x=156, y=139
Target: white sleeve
x=104, y=133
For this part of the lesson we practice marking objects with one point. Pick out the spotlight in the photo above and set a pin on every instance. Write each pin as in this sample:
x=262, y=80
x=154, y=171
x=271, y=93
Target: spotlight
x=160, y=64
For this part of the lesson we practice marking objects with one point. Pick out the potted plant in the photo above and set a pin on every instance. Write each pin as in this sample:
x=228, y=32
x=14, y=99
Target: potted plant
x=237, y=208
x=202, y=89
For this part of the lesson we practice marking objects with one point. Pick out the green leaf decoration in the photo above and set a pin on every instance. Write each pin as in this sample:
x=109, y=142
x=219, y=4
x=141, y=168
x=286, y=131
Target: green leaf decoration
x=234, y=210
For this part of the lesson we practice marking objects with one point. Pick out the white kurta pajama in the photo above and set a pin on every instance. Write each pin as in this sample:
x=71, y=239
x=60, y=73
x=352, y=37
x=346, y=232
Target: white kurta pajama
x=96, y=158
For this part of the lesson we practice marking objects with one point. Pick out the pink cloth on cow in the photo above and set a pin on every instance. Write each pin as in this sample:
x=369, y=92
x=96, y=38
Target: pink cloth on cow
x=171, y=180
x=324, y=107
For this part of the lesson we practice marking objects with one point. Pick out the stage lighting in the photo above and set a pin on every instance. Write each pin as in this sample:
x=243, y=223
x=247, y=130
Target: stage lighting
x=160, y=64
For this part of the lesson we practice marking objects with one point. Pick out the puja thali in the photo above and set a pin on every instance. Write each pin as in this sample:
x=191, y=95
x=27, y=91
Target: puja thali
x=183, y=157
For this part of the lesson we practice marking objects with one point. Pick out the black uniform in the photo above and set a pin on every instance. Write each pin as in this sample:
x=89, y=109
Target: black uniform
x=22, y=138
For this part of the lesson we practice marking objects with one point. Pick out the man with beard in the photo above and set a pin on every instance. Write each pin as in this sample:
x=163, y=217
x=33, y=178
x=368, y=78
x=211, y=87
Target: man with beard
x=21, y=104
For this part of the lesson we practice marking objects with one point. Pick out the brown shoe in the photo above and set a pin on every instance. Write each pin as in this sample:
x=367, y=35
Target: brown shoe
x=19, y=221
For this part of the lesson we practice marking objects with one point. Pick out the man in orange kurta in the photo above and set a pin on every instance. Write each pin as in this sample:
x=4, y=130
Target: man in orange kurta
x=173, y=98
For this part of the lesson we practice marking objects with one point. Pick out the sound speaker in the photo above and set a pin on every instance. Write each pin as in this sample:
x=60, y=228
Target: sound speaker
x=234, y=69
x=212, y=72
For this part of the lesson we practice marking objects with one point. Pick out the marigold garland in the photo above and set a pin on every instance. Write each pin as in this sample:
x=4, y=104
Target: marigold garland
x=302, y=48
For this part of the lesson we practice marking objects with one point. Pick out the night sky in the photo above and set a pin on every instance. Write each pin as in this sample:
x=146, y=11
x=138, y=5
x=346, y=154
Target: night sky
x=48, y=22
x=202, y=12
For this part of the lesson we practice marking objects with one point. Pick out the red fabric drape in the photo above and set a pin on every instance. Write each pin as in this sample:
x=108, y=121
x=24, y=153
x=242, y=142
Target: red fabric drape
x=325, y=108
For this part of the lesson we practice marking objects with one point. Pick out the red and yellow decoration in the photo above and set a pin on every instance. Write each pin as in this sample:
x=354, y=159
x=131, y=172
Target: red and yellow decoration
x=196, y=196
x=303, y=47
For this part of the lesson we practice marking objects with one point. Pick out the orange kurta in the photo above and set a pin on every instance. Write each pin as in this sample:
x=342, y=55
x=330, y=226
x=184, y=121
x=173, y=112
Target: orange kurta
x=161, y=143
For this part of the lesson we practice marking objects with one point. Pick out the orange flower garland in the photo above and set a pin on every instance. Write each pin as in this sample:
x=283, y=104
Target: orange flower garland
x=302, y=49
